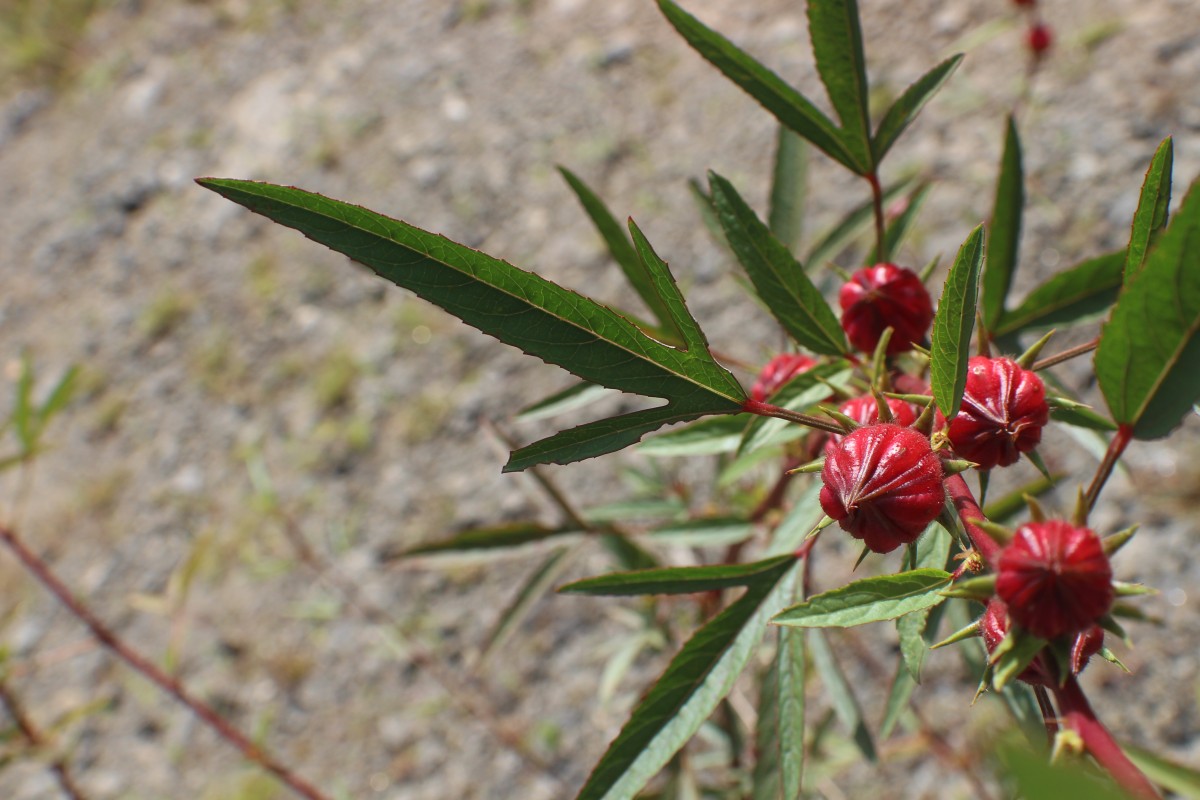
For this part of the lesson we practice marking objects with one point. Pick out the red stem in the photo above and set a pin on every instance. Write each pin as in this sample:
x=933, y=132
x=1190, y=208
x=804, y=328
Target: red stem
x=37, y=739
x=767, y=410
x=1077, y=713
x=1116, y=447
x=172, y=686
x=969, y=512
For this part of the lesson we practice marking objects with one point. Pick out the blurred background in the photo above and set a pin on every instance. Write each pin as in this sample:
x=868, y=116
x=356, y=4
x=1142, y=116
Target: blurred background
x=260, y=426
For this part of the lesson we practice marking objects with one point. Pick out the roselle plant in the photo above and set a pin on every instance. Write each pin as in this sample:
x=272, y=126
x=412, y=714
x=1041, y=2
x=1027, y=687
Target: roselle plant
x=873, y=420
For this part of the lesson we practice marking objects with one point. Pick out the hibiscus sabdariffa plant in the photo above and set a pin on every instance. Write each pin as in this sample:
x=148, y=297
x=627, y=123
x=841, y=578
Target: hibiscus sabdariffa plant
x=873, y=421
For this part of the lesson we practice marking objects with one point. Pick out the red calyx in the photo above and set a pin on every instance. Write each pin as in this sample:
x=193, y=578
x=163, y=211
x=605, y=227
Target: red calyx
x=881, y=296
x=865, y=411
x=1002, y=414
x=1040, y=38
x=778, y=371
x=883, y=484
x=994, y=627
x=1055, y=578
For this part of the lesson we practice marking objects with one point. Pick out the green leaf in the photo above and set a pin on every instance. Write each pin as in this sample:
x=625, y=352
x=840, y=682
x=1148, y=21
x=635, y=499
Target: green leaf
x=1004, y=232
x=619, y=247
x=789, y=186
x=899, y=227
x=704, y=532
x=1039, y=779
x=869, y=600
x=899, y=695
x=1082, y=418
x=933, y=552
x=778, y=277
x=663, y=284
x=504, y=537
x=837, y=46
x=1013, y=655
x=951, y=348
x=1153, y=205
x=1087, y=288
x=703, y=438
x=1148, y=360
x=700, y=675
x=22, y=415
x=575, y=396
x=517, y=307
x=681, y=580
x=908, y=105
x=840, y=693
x=779, y=736
x=791, y=532
x=646, y=508
x=858, y=220
x=1013, y=503
x=789, y=106
x=1170, y=775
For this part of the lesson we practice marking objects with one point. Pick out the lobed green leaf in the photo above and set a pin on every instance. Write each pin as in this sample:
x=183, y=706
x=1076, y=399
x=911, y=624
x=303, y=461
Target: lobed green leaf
x=780, y=280
x=902, y=112
x=951, y=343
x=1087, y=288
x=789, y=106
x=836, y=33
x=789, y=187
x=779, y=734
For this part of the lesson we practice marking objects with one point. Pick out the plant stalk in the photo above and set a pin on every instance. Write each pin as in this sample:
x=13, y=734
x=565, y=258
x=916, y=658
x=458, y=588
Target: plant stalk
x=1116, y=447
x=1066, y=355
x=37, y=739
x=767, y=410
x=877, y=203
x=147, y=669
x=1077, y=714
x=969, y=512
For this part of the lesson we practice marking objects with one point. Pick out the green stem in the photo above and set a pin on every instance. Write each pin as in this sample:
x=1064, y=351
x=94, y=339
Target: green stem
x=877, y=203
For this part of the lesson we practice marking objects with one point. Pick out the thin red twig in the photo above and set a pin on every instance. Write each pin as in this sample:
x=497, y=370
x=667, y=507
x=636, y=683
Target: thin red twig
x=38, y=740
x=172, y=686
x=1116, y=447
x=969, y=512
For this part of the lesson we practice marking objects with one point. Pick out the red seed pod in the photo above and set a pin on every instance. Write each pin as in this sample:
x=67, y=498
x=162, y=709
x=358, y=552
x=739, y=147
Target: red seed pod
x=1002, y=414
x=883, y=484
x=1040, y=39
x=865, y=411
x=994, y=627
x=1055, y=578
x=778, y=371
x=881, y=296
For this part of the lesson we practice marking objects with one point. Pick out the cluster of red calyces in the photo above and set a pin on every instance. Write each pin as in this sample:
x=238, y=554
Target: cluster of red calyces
x=883, y=485
x=1002, y=414
x=865, y=411
x=883, y=296
x=778, y=371
x=994, y=626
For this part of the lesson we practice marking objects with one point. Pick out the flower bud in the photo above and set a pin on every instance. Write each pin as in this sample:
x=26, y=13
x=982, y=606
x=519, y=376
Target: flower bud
x=1055, y=579
x=778, y=371
x=1040, y=39
x=1002, y=414
x=883, y=296
x=883, y=484
x=993, y=625
x=865, y=411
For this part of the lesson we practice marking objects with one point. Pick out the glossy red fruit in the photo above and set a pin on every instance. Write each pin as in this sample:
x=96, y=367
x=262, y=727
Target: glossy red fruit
x=994, y=627
x=865, y=411
x=881, y=296
x=1002, y=414
x=1055, y=578
x=778, y=371
x=883, y=484
x=1040, y=39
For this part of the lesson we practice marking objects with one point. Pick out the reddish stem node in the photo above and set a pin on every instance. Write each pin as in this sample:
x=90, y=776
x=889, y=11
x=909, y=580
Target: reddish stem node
x=969, y=512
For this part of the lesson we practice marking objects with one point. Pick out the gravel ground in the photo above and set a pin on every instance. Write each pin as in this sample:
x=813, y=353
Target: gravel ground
x=242, y=389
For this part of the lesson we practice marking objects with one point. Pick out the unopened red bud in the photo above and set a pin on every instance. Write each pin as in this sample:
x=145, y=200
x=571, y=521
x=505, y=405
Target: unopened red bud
x=1040, y=39
x=885, y=295
x=883, y=485
x=778, y=371
x=865, y=411
x=1002, y=414
x=1055, y=579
